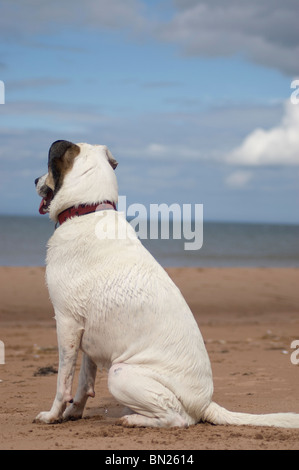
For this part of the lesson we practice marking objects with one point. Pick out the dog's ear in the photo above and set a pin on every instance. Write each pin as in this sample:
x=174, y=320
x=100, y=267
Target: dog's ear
x=61, y=158
x=111, y=159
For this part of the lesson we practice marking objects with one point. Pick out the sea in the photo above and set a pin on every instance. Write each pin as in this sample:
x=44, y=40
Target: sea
x=23, y=242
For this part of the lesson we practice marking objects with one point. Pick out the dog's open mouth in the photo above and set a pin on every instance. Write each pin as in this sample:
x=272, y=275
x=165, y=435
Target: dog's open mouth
x=45, y=202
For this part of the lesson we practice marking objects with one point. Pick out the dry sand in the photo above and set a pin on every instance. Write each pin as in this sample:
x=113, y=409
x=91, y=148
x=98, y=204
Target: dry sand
x=248, y=318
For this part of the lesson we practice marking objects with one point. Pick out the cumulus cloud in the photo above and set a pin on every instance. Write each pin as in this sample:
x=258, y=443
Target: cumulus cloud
x=264, y=32
x=276, y=146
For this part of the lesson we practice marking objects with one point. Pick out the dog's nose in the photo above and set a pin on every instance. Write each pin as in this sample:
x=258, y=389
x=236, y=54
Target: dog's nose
x=36, y=181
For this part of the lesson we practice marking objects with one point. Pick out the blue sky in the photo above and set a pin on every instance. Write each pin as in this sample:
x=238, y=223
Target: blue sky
x=192, y=97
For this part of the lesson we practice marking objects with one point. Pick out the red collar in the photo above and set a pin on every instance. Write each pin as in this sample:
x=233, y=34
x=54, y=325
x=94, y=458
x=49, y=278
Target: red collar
x=83, y=209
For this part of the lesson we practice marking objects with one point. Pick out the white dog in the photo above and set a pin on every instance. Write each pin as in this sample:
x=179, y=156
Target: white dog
x=113, y=301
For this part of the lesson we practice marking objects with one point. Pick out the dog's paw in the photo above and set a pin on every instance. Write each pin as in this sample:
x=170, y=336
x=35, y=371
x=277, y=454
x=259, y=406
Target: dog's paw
x=124, y=422
x=134, y=420
x=72, y=413
x=47, y=417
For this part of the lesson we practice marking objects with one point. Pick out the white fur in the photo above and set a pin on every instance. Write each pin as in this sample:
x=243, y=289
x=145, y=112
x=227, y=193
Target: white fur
x=91, y=178
x=117, y=304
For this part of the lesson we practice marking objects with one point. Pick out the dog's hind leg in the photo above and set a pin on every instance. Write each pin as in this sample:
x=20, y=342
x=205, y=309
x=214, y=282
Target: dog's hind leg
x=152, y=403
x=85, y=389
x=69, y=334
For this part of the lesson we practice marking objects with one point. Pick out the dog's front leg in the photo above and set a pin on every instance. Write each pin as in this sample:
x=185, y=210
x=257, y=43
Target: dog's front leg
x=85, y=389
x=69, y=336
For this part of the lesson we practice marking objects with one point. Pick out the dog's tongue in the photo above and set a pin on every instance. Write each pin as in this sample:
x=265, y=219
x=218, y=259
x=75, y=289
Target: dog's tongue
x=45, y=202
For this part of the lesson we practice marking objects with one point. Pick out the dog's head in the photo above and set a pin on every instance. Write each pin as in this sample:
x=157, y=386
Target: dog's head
x=77, y=174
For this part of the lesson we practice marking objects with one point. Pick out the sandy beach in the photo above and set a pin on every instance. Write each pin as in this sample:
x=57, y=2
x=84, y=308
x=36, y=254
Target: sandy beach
x=248, y=317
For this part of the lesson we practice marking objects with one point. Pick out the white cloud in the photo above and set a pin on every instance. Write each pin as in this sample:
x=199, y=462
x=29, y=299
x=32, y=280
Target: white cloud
x=276, y=146
x=238, y=179
x=171, y=151
x=162, y=152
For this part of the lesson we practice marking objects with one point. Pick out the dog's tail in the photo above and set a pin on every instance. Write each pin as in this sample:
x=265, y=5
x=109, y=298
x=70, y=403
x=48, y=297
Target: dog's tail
x=215, y=414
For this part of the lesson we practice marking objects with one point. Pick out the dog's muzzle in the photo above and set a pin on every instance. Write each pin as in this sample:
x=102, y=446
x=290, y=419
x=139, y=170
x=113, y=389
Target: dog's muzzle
x=45, y=193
